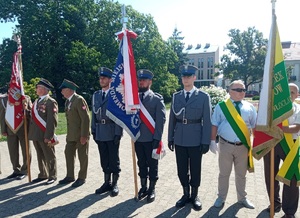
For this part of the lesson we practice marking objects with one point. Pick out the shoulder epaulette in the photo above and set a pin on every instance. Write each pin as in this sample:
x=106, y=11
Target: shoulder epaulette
x=158, y=95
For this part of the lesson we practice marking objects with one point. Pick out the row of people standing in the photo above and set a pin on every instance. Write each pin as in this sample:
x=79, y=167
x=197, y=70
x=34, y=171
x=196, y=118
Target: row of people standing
x=192, y=131
x=43, y=119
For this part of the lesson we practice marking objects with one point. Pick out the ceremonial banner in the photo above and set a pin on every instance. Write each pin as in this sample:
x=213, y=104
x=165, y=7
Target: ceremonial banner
x=123, y=100
x=14, y=110
x=275, y=101
x=291, y=164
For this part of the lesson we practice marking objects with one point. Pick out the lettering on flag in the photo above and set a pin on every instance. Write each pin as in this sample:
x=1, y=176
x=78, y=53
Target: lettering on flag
x=117, y=110
x=275, y=100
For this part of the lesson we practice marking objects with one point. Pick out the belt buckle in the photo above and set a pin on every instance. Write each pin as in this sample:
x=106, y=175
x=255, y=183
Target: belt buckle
x=184, y=121
x=102, y=121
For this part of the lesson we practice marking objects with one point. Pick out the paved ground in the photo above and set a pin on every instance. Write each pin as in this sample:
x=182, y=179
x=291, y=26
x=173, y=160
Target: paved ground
x=22, y=199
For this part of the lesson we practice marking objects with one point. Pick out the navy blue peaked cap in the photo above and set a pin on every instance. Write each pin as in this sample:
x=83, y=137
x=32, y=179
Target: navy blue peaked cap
x=187, y=70
x=104, y=71
x=144, y=74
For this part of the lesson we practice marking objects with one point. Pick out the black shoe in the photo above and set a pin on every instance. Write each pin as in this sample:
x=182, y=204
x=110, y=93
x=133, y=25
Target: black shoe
x=114, y=191
x=143, y=192
x=20, y=176
x=66, y=180
x=182, y=201
x=196, y=204
x=12, y=176
x=104, y=188
x=38, y=180
x=277, y=208
x=78, y=182
x=288, y=216
x=50, y=181
x=151, y=196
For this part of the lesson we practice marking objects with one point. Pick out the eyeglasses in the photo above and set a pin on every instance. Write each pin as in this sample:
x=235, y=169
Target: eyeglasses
x=239, y=90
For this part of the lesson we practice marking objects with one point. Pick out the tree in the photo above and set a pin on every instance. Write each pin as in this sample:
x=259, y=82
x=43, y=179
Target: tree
x=175, y=42
x=246, y=57
x=153, y=53
x=72, y=38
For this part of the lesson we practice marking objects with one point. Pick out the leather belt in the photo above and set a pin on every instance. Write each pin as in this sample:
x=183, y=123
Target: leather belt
x=232, y=143
x=104, y=121
x=188, y=121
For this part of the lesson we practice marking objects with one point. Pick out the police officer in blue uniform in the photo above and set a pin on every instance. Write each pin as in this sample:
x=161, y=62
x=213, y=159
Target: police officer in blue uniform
x=189, y=133
x=148, y=166
x=106, y=134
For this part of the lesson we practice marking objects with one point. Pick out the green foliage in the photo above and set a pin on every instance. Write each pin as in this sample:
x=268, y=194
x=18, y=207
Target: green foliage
x=177, y=45
x=72, y=38
x=29, y=88
x=217, y=94
x=246, y=57
x=254, y=98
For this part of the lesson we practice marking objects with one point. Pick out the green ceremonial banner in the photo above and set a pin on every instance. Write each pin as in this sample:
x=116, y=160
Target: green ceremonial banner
x=275, y=101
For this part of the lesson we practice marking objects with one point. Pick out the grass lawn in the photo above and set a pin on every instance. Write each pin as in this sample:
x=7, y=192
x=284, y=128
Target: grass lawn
x=61, y=126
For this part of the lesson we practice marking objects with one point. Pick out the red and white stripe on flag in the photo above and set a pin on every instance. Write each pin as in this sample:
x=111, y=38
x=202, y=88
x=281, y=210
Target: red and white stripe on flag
x=14, y=110
x=130, y=80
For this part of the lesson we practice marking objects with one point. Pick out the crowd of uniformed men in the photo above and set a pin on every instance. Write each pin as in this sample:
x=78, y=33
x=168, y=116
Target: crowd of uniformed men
x=192, y=132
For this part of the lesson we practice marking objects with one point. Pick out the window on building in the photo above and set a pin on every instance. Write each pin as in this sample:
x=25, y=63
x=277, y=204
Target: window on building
x=210, y=62
x=191, y=61
x=199, y=62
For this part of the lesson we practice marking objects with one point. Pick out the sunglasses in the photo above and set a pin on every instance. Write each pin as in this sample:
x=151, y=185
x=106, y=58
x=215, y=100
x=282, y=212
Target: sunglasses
x=239, y=90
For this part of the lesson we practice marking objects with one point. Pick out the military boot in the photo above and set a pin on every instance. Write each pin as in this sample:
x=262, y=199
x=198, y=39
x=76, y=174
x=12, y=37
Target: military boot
x=197, y=205
x=151, y=192
x=115, y=189
x=185, y=198
x=106, y=185
x=143, y=191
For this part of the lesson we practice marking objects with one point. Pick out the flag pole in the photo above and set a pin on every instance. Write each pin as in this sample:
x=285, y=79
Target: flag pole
x=18, y=41
x=124, y=20
x=272, y=174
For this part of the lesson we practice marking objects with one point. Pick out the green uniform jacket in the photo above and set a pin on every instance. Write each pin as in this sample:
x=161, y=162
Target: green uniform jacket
x=47, y=110
x=78, y=119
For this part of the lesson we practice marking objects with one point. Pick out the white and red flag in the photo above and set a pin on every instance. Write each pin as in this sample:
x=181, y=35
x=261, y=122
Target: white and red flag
x=14, y=110
x=123, y=102
x=275, y=101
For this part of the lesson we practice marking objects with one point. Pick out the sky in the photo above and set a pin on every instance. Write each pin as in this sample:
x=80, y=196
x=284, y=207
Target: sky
x=209, y=21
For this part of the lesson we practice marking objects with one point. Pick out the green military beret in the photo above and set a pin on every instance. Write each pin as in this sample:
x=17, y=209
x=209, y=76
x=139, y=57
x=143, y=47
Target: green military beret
x=68, y=84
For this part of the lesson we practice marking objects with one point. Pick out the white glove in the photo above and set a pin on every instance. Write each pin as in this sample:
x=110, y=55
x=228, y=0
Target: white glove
x=213, y=147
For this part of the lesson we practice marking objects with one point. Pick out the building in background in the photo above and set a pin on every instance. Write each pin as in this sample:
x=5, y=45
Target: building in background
x=291, y=54
x=204, y=57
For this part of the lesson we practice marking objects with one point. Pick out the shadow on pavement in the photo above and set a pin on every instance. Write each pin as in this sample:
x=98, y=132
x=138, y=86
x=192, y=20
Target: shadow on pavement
x=177, y=212
x=28, y=201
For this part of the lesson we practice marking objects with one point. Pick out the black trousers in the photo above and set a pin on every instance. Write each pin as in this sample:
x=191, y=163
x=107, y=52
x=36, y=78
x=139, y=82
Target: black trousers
x=147, y=165
x=290, y=194
x=109, y=157
x=188, y=160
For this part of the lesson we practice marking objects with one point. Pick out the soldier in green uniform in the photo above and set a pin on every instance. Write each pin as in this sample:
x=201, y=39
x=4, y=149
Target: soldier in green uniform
x=78, y=132
x=41, y=132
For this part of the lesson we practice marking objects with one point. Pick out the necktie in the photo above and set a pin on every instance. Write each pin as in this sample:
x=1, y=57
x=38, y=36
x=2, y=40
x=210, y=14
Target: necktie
x=142, y=96
x=187, y=97
x=103, y=96
x=237, y=103
x=37, y=102
x=67, y=103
